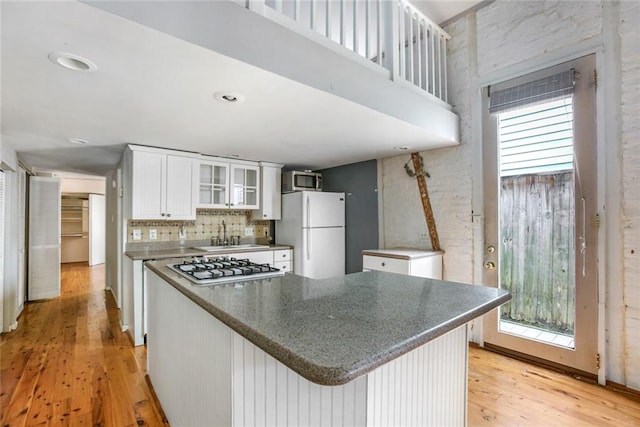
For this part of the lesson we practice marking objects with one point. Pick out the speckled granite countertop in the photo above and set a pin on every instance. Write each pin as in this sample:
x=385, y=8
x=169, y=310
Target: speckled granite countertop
x=163, y=253
x=331, y=331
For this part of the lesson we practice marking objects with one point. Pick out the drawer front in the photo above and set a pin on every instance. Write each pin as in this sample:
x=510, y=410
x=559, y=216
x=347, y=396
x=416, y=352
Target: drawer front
x=283, y=266
x=390, y=265
x=282, y=255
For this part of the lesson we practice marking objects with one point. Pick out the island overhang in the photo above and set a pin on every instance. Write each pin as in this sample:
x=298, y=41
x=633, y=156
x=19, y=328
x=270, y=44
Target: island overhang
x=331, y=331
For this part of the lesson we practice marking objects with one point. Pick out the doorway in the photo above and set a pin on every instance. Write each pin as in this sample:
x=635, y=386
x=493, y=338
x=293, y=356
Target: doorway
x=540, y=215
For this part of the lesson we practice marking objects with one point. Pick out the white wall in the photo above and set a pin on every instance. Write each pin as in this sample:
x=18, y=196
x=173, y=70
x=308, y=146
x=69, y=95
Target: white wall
x=82, y=185
x=500, y=41
x=10, y=274
x=113, y=250
x=630, y=132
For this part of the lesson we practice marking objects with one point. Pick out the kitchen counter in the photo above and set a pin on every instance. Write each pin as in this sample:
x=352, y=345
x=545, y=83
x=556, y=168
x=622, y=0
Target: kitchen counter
x=402, y=253
x=133, y=312
x=332, y=331
x=153, y=252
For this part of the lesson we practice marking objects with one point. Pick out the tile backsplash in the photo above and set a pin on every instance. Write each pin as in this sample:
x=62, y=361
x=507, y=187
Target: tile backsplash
x=208, y=223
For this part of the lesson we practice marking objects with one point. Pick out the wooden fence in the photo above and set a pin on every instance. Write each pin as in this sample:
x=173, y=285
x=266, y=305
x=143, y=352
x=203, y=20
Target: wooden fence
x=537, y=250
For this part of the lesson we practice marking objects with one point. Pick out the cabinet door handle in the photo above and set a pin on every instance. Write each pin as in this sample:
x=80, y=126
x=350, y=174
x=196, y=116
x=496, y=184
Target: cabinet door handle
x=383, y=264
x=168, y=215
x=162, y=214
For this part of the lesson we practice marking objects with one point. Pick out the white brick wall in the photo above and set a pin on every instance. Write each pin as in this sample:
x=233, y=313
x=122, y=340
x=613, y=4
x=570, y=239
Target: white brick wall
x=449, y=191
x=630, y=108
x=506, y=34
x=512, y=31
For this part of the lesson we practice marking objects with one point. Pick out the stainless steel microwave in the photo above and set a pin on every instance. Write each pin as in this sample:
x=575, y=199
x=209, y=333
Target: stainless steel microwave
x=301, y=181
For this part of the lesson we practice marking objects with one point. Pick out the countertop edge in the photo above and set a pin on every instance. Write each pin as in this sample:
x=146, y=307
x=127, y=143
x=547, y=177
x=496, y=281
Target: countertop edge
x=324, y=375
x=388, y=253
x=187, y=252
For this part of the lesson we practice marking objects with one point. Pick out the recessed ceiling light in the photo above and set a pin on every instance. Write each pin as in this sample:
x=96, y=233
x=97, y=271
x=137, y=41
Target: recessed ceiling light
x=229, y=97
x=72, y=62
x=402, y=148
x=78, y=141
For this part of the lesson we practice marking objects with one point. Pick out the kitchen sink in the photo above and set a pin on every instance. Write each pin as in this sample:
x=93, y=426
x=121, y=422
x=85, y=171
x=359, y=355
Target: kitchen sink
x=228, y=247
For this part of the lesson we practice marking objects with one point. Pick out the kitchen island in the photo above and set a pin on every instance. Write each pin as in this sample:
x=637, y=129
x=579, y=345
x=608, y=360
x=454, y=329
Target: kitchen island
x=369, y=348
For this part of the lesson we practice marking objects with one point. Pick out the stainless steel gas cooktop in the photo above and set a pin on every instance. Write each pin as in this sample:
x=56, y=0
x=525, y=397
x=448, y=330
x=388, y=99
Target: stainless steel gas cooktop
x=209, y=271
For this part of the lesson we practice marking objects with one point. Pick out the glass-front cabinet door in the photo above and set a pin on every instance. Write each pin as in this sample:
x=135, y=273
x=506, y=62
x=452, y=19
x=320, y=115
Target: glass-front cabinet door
x=214, y=184
x=245, y=187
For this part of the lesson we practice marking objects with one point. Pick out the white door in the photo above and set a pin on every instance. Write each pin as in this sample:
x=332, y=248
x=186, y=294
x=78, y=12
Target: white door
x=541, y=220
x=44, y=238
x=22, y=227
x=322, y=253
x=149, y=178
x=181, y=187
x=97, y=212
x=322, y=209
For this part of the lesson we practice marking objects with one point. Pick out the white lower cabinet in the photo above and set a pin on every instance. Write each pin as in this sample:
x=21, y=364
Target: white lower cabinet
x=280, y=258
x=411, y=262
x=283, y=259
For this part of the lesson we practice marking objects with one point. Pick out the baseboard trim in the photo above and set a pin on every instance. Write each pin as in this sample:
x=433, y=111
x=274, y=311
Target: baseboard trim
x=157, y=401
x=632, y=392
x=568, y=370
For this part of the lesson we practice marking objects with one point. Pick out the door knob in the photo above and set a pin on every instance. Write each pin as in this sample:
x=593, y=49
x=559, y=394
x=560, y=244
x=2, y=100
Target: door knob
x=490, y=265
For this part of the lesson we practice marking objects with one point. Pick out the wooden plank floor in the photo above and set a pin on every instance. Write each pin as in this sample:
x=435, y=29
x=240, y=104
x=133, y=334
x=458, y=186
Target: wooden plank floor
x=69, y=364
x=507, y=392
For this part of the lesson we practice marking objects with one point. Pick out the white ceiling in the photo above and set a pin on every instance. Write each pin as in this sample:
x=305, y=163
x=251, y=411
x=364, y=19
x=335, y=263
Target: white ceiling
x=154, y=89
x=440, y=11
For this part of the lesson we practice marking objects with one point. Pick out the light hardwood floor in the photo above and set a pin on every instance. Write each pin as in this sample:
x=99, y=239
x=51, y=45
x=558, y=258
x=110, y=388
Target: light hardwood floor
x=69, y=364
x=507, y=392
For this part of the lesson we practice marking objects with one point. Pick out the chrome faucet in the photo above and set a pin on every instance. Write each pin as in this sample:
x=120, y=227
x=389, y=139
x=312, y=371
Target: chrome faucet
x=224, y=233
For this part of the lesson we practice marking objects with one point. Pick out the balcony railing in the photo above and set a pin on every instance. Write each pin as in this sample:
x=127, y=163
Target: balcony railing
x=392, y=35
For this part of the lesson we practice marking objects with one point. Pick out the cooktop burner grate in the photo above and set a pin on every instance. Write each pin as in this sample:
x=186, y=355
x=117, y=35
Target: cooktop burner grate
x=223, y=270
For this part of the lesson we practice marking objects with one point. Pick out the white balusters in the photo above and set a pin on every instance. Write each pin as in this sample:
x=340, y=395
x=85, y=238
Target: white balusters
x=391, y=33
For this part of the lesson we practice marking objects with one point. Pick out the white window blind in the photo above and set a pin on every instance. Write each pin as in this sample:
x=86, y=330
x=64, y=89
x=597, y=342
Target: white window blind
x=537, y=139
x=557, y=86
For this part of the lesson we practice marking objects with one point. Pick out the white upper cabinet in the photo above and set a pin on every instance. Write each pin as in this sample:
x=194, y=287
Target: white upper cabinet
x=245, y=185
x=229, y=185
x=213, y=185
x=163, y=186
x=270, y=197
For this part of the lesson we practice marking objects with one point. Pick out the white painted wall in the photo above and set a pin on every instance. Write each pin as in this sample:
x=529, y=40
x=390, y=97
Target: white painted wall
x=630, y=106
x=82, y=185
x=113, y=249
x=503, y=40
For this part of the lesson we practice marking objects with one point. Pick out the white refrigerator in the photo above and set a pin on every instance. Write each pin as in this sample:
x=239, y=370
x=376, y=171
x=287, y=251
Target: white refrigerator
x=313, y=223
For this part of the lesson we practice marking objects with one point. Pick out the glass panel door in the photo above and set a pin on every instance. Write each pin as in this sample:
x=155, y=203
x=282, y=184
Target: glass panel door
x=244, y=187
x=536, y=222
x=213, y=185
x=206, y=188
x=220, y=174
x=540, y=226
